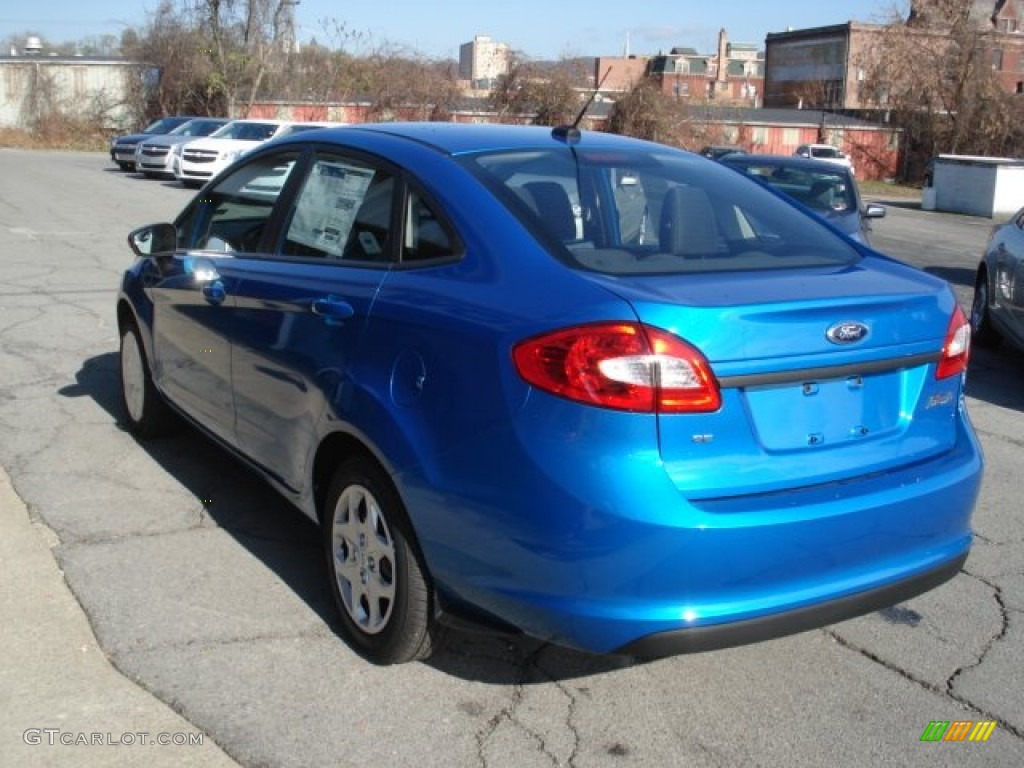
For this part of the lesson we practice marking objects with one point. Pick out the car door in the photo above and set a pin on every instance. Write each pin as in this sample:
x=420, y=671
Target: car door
x=193, y=295
x=302, y=311
x=1009, y=279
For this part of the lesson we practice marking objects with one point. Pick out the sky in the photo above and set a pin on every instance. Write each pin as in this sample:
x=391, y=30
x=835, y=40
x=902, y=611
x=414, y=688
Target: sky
x=540, y=29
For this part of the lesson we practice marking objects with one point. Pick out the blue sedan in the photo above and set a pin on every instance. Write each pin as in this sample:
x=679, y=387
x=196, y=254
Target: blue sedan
x=600, y=391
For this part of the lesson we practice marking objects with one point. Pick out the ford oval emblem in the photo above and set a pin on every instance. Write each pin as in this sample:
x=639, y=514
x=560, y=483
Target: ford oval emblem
x=847, y=332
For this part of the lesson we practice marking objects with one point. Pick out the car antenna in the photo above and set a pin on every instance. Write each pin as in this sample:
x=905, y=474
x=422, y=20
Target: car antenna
x=571, y=133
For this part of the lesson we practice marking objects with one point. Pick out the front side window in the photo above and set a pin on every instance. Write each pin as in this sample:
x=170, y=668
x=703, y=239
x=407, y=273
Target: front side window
x=233, y=216
x=625, y=211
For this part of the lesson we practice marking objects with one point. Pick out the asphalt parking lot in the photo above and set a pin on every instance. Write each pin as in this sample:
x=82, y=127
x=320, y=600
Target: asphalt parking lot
x=208, y=592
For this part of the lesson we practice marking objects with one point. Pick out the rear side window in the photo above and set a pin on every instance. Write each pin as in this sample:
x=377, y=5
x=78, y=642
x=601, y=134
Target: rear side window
x=425, y=235
x=625, y=211
x=342, y=211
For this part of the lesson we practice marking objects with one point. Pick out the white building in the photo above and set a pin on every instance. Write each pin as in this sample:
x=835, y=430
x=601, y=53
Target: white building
x=483, y=59
x=33, y=84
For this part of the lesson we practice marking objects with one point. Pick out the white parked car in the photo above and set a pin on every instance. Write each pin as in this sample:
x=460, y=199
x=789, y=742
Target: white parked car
x=196, y=162
x=825, y=152
x=153, y=157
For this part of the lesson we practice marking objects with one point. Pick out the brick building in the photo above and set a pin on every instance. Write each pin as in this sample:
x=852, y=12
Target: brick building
x=733, y=75
x=825, y=67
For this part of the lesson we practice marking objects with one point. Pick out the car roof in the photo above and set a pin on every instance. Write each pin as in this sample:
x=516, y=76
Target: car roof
x=789, y=161
x=263, y=121
x=461, y=138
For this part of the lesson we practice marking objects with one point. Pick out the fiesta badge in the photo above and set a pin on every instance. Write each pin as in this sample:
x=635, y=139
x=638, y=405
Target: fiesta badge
x=847, y=332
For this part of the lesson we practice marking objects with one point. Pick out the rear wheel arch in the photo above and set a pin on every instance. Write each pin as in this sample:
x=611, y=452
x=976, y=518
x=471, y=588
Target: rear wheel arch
x=381, y=585
x=331, y=453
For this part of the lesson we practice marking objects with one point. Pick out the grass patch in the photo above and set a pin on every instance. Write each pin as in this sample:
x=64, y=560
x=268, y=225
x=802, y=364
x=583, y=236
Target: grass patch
x=58, y=133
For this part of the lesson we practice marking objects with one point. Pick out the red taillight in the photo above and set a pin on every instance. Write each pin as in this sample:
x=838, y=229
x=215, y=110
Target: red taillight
x=625, y=366
x=956, y=349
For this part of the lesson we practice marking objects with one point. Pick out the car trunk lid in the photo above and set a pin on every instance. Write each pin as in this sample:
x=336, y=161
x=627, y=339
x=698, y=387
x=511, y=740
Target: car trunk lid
x=826, y=374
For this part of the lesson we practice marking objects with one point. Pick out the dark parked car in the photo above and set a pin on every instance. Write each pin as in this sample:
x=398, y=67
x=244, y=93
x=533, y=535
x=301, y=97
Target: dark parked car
x=828, y=189
x=595, y=389
x=122, y=148
x=718, y=151
x=997, y=312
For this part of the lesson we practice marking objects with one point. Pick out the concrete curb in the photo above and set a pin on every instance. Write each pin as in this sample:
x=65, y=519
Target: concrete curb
x=62, y=703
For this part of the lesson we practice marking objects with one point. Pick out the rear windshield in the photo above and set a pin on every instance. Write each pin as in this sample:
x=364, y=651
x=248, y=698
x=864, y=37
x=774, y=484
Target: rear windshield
x=655, y=210
x=831, y=152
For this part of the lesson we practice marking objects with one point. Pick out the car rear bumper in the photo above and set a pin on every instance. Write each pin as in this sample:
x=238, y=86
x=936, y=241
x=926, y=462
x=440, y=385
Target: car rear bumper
x=696, y=639
x=610, y=557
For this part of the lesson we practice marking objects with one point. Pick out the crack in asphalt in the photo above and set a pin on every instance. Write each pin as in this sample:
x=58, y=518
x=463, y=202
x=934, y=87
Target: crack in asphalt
x=528, y=667
x=1004, y=616
x=949, y=689
x=571, y=707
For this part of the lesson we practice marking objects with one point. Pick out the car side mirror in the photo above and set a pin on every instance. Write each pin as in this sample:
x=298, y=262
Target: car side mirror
x=153, y=240
x=874, y=211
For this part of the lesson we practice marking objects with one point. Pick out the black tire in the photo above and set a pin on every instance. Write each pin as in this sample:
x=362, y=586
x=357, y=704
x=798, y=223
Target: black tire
x=380, y=584
x=146, y=413
x=126, y=167
x=983, y=334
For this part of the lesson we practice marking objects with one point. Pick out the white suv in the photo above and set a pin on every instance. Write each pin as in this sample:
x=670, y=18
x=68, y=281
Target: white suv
x=196, y=162
x=825, y=152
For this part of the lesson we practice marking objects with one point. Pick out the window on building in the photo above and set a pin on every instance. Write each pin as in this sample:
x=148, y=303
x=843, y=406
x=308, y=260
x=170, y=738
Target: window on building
x=997, y=59
x=791, y=137
x=759, y=134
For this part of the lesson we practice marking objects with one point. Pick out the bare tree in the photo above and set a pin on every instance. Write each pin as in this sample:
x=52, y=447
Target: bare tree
x=935, y=73
x=400, y=84
x=645, y=112
x=241, y=46
x=175, y=72
x=544, y=96
x=323, y=69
